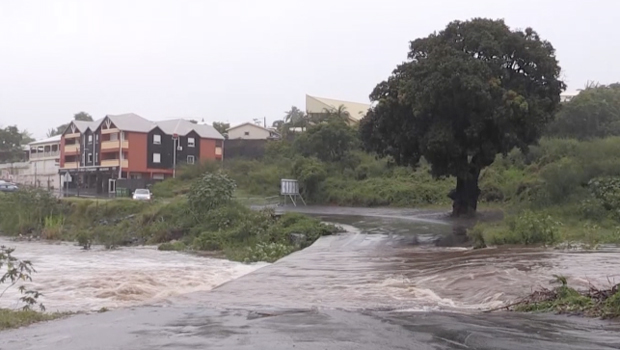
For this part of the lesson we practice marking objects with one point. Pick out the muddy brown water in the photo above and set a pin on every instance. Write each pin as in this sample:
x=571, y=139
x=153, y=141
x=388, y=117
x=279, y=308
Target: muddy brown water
x=398, y=279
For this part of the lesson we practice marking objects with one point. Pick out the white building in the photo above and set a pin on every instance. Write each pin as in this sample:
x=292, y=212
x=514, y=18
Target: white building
x=249, y=131
x=565, y=97
x=355, y=111
x=44, y=160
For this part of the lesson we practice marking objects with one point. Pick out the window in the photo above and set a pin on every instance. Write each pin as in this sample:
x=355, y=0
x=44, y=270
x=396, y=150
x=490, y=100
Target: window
x=158, y=176
x=156, y=158
x=90, y=138
x=191, y=142
x=157, y=139
x=218, y=143
x=247, y=133
x=96, y=157
x=90, y=157
x=190, y=159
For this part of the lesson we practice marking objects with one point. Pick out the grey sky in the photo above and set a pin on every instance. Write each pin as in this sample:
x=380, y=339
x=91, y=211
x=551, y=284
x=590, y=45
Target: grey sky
x=235, y=60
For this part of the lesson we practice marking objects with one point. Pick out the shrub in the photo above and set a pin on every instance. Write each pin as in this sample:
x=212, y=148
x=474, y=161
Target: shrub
x=210, y=191
x=25, y=211
x=527, y=228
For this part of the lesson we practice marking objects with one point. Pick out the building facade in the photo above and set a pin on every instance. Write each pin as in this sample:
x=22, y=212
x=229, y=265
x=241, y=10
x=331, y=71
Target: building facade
x=93, y=155
x=44, y=162
x=250, y=131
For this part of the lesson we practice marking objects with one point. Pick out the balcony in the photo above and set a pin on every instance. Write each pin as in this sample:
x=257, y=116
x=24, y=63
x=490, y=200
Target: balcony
x=113, y=145
x=74, y=148
x=110, y=131
x=70, y=165
x=43, y=155
x=75, y=135
x=115, y=162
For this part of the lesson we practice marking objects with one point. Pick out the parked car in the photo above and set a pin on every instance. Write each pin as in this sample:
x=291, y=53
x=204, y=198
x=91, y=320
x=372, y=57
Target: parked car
x=142, y=194
x=8, y=187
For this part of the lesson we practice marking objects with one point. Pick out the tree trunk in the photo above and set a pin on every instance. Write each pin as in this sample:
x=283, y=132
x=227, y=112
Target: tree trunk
x=465, y=196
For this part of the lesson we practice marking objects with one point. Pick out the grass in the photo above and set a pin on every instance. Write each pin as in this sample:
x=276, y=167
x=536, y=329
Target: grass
x=20, y=318
x=566, y=300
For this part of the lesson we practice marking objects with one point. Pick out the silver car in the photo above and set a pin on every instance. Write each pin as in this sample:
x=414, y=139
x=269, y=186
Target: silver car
x=142, y=195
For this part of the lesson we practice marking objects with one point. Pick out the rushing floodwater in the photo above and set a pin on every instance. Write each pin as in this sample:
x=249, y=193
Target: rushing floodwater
x=73, y=279
x=350, y=290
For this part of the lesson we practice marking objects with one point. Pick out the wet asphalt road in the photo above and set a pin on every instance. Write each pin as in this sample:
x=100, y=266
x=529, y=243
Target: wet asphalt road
x=207, y=328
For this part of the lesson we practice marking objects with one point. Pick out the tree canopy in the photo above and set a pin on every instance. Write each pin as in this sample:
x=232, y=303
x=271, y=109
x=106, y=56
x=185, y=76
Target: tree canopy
x=467, y=93
x=594, y=112
x=221, y=127
x=330, y=141
x=11, y=141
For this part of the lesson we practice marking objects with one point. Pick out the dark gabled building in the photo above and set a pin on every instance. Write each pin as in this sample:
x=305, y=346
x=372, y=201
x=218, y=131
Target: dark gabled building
x=130, y=147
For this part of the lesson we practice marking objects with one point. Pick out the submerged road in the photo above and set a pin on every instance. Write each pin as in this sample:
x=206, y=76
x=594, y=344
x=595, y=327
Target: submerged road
x=390, y=283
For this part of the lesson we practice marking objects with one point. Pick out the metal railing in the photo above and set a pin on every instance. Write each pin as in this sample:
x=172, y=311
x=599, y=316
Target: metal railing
x=40, y=155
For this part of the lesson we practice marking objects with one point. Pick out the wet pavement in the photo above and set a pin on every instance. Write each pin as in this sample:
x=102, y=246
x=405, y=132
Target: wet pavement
x=390, y=282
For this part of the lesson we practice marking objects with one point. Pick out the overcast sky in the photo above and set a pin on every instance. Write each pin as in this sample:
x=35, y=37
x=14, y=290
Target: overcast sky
x=235, y=60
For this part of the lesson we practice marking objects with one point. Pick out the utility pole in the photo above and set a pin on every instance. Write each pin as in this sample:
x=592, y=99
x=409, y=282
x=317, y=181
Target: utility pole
x=175, y=138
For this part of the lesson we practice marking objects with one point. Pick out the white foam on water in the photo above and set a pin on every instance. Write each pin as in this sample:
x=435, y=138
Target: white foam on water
x=72, y=279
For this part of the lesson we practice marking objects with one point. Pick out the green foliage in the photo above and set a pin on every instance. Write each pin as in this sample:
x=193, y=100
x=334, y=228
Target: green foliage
x=15, y=270
x=607, y=191
x=21, y=318
x=566, y=300
x=173, y=246
x=330, y=141
x=527, y=228
x=594, y=112
x=210, y=191
x=247, y=235
x=309, y=172
x=506, y=90
x=11, y=141
x=26, y=210
x=222, y=128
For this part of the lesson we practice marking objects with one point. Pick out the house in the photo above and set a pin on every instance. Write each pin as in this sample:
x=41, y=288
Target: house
x=319, y=106
x=44, y=162
x=250, y=131
x=95, y=154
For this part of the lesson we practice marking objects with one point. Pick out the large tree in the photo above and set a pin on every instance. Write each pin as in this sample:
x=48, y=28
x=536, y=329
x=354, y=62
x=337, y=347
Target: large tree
x=470, y=92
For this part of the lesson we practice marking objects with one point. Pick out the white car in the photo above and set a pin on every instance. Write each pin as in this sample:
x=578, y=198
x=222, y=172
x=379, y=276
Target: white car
x=142, y=195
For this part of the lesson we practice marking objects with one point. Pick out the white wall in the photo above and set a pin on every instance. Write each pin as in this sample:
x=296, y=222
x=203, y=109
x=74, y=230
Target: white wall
x=255, y=133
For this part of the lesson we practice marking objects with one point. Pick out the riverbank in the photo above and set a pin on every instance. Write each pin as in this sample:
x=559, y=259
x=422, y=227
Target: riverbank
x=594, y=302
x=21, y=318
x=180, y=223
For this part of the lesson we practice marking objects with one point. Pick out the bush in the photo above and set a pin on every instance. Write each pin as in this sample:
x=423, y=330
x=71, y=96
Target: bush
x=25, y=211
x=210, y=191
x=527, y=228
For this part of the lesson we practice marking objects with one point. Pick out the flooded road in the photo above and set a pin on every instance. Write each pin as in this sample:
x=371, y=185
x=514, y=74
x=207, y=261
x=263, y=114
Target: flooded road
x=388, y=283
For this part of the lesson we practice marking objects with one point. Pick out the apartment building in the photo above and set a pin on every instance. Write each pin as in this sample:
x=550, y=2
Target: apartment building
x=95, y=154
